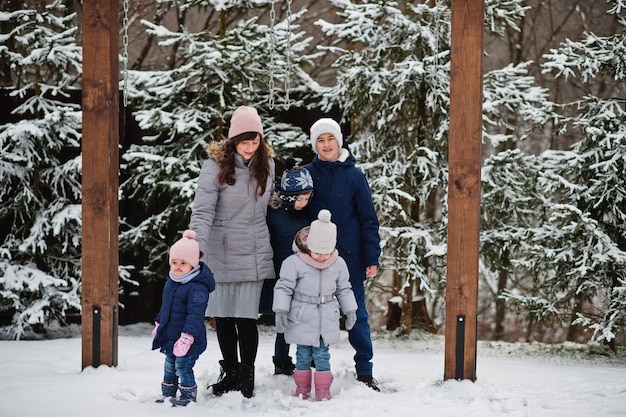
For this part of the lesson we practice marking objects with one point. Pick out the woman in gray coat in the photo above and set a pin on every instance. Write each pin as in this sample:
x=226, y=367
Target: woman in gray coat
x=313, y=284
x=228, y=215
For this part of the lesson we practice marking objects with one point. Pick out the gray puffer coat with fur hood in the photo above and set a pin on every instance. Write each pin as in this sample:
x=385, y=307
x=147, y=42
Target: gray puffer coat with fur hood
x=230, y=222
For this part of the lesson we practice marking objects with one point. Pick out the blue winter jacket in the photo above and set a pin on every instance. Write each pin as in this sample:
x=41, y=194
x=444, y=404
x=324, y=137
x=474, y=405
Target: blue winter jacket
x=283, y=222
x=342, y=188
x=182, y=311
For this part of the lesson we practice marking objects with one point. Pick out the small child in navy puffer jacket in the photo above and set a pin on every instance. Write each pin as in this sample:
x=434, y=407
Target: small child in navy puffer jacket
x=179, y=330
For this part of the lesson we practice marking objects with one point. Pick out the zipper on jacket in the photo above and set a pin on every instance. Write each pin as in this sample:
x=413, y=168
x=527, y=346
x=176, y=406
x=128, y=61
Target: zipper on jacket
x=319, y=306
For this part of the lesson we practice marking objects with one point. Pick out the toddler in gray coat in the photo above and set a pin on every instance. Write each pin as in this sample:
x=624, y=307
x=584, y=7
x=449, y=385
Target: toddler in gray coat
x=314, y=284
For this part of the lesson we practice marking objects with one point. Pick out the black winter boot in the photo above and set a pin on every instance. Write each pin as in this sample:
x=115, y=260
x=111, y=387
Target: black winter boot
x=369, y=381
x=228, y=380
x=283, y=367
x=246, y=380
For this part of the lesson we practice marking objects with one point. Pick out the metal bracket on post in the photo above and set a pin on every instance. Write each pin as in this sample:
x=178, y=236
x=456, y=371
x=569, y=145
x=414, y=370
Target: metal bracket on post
x=460, y=347
x=114, y=336
x=95, y=344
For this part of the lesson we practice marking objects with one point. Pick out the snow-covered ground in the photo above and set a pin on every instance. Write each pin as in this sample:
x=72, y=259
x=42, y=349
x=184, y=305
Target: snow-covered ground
x=44, y=378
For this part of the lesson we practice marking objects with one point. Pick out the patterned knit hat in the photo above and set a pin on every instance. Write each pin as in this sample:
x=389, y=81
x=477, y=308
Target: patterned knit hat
x=245, y=119
x=186, y=249
x=295, y=181
x=323, y=234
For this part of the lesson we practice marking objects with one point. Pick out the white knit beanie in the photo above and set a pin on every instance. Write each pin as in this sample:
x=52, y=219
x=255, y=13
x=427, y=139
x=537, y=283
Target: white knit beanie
x=326, y=125
x=323, y=234
x=245, y=119
x=186, y=249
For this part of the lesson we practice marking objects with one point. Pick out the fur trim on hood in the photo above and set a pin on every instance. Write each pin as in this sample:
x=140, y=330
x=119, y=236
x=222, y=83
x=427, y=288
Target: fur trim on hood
x=215, y=150
x=275, y=201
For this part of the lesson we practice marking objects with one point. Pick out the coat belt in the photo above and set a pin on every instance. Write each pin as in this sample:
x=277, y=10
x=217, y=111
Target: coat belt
x=313, y=300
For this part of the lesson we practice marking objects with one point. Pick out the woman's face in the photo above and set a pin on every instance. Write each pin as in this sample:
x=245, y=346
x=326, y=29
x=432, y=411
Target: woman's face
x=327, y=147
x=247, y=148
x=302, y=201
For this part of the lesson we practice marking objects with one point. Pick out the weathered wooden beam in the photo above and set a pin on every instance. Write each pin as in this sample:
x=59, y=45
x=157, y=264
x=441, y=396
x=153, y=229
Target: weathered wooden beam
x=464, y=188
x=100, y=183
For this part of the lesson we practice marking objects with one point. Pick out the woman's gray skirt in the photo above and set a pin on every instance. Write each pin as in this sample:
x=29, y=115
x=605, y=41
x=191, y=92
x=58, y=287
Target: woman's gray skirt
x=235, y=299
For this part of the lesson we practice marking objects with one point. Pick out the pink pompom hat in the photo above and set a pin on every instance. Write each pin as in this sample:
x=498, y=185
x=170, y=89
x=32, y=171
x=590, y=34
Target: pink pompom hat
x=187, y=249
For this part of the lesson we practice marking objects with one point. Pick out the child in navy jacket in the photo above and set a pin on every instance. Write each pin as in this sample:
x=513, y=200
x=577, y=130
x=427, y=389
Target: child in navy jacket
x=179, y=330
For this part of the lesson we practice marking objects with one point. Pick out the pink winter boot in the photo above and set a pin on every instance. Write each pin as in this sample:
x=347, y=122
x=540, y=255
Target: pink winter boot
x=303, y=383
x=323, y=379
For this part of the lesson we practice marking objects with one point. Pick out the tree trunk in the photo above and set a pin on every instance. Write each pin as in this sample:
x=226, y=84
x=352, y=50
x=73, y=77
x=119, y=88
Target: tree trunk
x=399, y=315
x=574, y=329
x=407, y=309
x=500, y=306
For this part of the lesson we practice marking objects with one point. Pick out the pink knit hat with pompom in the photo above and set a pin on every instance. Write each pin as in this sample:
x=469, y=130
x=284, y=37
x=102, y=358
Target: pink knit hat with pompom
x=186, y=249
x=245, y=119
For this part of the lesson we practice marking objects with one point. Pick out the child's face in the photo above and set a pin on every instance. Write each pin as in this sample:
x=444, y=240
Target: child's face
x=327, y=147
x=302, y=201
x=179, y=267
x=320, y=257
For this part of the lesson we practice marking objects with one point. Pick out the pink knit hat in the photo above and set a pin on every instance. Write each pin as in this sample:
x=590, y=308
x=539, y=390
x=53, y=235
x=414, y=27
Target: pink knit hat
x=245, y=119
x=186, y=249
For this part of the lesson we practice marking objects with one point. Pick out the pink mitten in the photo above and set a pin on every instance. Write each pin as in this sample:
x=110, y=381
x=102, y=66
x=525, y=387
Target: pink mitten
x=182, y=345
x=156, y=326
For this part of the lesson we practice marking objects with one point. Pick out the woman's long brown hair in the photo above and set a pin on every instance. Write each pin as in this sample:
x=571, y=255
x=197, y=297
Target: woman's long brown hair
x=259, y=164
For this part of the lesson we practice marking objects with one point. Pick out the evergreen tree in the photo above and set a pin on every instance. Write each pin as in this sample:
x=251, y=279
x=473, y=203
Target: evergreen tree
x=576, y=256
x=592, y=181
x=511, y=201
x=40, y=167
x=513, y=205
x=393, y=85
x=185, y=108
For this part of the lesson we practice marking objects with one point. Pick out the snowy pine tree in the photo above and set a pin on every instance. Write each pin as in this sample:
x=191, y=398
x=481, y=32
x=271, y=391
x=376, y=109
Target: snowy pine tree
x=185, y=108
x=393, y=85
x=40, y=167
x=592, y=181
x=575, y=255
x=514, y=107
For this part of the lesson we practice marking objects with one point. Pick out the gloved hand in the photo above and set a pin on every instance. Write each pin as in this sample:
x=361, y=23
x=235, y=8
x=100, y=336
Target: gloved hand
x=281, y=321
x=154, y=331
x=182, y=345
x=350, y=319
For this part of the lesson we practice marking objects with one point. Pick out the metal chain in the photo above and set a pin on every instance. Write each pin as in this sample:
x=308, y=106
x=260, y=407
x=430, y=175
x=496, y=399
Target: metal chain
x=438, y=15
x=125, y=53
x=288, y=55
x=272, y=52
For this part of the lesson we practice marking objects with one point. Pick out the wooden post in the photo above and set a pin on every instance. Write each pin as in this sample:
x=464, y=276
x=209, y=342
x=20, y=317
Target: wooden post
x=100, y=183
x=464, y=159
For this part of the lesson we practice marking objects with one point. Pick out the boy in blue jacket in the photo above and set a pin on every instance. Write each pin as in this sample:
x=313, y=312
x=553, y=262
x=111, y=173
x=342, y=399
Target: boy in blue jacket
x=179, y=330
x=342, y=188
